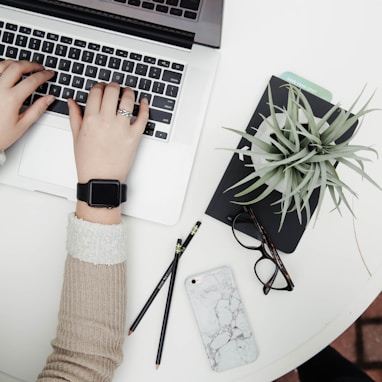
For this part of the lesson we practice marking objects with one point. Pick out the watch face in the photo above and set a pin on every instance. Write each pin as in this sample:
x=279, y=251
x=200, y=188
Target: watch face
x=104, y=193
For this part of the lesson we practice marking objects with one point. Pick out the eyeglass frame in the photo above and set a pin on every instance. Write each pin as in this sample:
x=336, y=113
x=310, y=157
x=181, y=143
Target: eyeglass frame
x=273, y=256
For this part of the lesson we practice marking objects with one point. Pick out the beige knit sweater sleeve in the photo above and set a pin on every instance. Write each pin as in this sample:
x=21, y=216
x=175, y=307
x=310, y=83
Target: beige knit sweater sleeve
x=91, y=322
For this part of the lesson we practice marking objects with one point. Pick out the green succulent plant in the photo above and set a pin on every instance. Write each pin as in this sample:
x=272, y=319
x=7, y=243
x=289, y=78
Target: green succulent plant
x=302, y=154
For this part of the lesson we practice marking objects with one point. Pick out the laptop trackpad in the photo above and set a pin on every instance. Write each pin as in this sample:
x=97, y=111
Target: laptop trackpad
x=48, y=156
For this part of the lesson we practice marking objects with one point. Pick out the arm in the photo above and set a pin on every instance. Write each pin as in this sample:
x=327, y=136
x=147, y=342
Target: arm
x=91, y=329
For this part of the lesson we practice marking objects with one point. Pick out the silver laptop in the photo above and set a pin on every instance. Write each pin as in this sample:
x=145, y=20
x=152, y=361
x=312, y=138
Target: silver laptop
x=165, y=50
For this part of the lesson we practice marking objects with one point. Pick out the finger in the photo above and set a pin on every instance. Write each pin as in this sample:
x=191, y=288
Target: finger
x=15, y=69
x=75, y=117
x=110, y=99
x=127, y=101
x=4, y=64
x=34, y=112
x=94, y=101
x=27, y=86
x=143, y=115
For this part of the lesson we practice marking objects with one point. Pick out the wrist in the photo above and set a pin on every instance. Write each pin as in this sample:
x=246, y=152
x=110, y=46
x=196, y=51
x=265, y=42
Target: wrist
x=98, y=215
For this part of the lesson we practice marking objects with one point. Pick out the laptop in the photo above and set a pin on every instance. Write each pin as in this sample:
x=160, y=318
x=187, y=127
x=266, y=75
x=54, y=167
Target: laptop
x=166, y=50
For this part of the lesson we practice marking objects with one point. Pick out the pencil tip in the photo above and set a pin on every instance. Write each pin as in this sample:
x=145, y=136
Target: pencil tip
x=130, y=332
x=157, y=366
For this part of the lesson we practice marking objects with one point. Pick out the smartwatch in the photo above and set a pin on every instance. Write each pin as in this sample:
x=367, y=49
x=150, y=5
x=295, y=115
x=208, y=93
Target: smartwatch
x=102, y=193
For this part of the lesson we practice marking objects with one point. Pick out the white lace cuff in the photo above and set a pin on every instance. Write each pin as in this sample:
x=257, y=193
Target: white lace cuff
x=96, y=243
x=2, y=158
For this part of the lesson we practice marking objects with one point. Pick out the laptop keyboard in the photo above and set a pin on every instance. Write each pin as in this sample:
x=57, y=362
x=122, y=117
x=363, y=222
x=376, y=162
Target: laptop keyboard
x=187, y=9
x=79, y=64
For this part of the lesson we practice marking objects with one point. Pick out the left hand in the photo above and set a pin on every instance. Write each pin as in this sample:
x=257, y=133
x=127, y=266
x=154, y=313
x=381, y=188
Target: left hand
x=14, y=92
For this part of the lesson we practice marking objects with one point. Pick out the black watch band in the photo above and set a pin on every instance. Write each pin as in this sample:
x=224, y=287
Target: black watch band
x=102, y=193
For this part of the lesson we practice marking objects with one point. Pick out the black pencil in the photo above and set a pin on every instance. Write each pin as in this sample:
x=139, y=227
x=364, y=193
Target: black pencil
x=162, y=280
x=178, y=252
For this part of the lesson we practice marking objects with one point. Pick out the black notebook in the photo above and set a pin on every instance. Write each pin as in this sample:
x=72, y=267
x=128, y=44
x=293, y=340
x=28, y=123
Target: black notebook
x=221, y=206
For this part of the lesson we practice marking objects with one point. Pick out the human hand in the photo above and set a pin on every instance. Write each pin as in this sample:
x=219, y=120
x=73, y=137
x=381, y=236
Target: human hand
x=105, y=142
x=14, y=92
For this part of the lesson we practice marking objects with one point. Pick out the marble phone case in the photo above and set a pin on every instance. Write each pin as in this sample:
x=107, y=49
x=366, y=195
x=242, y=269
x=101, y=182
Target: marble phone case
x=219, y=312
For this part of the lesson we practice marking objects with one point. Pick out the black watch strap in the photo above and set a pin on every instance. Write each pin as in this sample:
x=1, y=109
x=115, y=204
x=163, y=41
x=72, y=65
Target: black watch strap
x=102, y=193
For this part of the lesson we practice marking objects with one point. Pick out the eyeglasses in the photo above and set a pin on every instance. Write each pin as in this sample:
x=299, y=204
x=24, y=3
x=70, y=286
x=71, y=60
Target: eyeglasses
x=269, y=268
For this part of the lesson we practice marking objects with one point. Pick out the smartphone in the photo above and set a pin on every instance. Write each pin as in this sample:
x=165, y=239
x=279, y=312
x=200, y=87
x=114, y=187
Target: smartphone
x=223, y=325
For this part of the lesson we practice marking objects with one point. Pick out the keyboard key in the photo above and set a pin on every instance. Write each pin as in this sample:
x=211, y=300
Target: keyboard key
x=121, y=53
x=136, y=3
x=78, y=68
x=25, y=55
x=64, y=79
x=176, y=12
x=114, y=63
x=60, y=107
x=81, y=97
x=55, y=90
x=21, y=40
x=91, y=71
x=131, y=81
x=101, y=59
x=34, y=43
x=87, y=56
x=155, y=72
x=67, y=93
x=190, y=15
x=150, y=60
x=164, y=103
x=161, y=134
x=118, y=77
x=172, y=91
x=160, y=116
x=162, y=8
x=164, y=63
x=25, y=30
x=61, y=50
x=80, y=43
x=74, y=53
x=93, y=46
x=128, y=66
x=51, y=62
x=47, y=47
x=89, y=84
x=136, y=56
x=52, y=36
x=11, y=52
x=190, y=4
x=38, y=57
x=104, y=75
x=78, y=82
x=177, y=66
x=172, y=77
x=66, y=40
x=8, y=37
x=141, y=69
x=147, y=5
x=64, y=65
x=108, y=50
x=158, y=87
x=39, y=33
x=144, y=84
x=11, y=27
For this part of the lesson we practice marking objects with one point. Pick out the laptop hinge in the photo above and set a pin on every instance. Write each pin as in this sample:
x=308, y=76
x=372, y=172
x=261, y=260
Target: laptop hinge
x=106, y=20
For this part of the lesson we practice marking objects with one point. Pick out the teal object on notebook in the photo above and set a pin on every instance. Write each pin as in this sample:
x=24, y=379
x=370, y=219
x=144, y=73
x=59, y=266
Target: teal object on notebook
x=306, y=85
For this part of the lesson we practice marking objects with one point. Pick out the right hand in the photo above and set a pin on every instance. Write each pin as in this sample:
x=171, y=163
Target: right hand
x=105, y=142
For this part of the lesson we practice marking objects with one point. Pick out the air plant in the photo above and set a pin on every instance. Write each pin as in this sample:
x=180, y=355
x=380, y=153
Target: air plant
x=302, y=154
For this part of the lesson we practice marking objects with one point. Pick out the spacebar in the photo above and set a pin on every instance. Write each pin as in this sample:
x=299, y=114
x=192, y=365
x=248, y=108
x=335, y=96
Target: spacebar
x=60, y=107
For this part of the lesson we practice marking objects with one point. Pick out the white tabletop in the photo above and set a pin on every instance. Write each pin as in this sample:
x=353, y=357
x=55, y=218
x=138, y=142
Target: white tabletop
x=337, y=267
